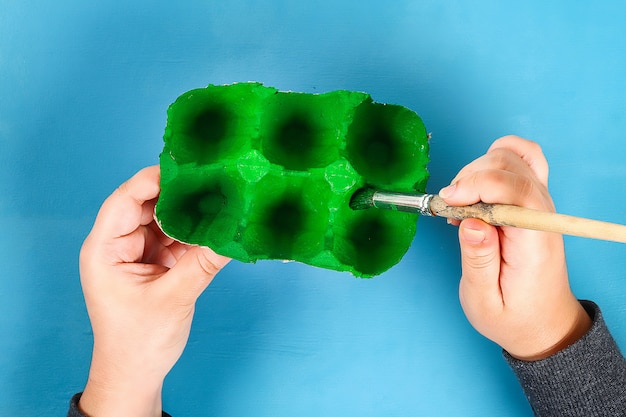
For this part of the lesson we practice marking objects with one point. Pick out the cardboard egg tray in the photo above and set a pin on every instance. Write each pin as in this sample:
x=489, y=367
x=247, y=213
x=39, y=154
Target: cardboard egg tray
x=255, y=173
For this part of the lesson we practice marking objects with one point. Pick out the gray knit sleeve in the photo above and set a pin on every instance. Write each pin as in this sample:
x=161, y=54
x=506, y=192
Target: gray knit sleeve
x=75, y=412
x=586, y=379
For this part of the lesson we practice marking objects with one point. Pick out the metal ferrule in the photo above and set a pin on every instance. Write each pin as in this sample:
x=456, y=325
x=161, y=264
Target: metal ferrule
x=412, y=203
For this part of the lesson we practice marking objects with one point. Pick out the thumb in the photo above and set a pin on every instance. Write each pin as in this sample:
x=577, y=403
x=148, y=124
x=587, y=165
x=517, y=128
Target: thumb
x=480, y=262
x=194, y=271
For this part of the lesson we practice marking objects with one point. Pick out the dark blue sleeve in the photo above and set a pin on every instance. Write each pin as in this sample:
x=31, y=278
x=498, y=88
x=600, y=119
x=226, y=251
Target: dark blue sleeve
x=586, y=379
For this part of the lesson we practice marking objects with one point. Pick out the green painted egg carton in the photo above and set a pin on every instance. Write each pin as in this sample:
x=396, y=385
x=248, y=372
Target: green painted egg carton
x=256, y=173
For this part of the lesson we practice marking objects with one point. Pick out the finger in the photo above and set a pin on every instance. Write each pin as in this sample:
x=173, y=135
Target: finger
x=480, y=260
x=497, y=186
x=167, y=255
x=164, y=239
x=530, y=152
x=497, y=159
x=130, y=206
x=193, y=272
x=155, y=251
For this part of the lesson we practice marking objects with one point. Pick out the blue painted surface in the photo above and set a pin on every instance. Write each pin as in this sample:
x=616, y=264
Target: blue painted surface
x=83, y=93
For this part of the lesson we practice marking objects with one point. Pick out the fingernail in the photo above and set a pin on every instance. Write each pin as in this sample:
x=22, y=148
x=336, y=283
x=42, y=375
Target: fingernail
x=447, y=192
x=473, y=236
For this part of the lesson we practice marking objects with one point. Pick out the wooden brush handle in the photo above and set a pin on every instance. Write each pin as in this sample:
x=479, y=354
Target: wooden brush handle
x=525, y=218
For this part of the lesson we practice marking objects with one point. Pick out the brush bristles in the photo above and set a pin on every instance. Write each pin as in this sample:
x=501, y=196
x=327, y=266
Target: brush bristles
x=362, y=199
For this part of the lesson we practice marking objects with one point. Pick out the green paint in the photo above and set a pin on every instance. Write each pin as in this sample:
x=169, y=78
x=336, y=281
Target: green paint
x=255, y=173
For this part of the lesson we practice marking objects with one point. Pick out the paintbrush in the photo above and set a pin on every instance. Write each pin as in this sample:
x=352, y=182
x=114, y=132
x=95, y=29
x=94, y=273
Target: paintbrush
x=494, y=214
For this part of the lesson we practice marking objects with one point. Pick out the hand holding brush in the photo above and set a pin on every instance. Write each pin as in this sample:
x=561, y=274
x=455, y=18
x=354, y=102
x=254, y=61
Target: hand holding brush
x=494, y=214
x=514, y=287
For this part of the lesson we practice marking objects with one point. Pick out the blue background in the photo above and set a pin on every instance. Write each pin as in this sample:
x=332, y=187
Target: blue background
x=84, y=87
